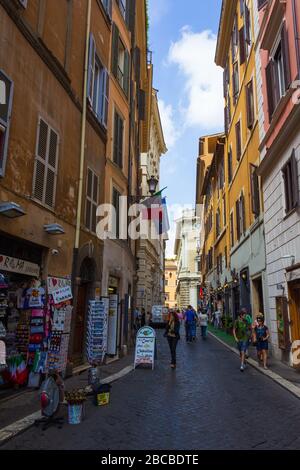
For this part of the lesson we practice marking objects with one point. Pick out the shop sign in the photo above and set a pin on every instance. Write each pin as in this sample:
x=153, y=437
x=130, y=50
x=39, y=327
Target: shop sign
x=145, y=347
x=19, y=266
x=57, y=283
x=62, y=295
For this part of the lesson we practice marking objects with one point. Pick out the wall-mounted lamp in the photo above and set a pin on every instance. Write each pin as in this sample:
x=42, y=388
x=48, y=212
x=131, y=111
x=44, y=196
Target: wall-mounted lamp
x=54, y=229
x=11, y=210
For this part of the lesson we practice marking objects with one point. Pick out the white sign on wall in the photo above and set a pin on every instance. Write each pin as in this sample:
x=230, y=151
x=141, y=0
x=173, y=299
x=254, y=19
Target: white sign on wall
x=62, y=295
x=56, y=283
x=14, y=265
x=112, y=325
x=145, y=347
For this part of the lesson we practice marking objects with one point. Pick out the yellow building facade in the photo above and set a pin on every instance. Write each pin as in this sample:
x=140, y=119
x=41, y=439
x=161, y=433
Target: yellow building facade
x=237, y=237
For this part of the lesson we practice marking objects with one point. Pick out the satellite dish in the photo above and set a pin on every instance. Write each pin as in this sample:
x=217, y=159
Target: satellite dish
x=49, y=396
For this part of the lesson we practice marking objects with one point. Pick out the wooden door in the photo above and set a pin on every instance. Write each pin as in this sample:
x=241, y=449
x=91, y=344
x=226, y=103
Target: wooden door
x=80, y=319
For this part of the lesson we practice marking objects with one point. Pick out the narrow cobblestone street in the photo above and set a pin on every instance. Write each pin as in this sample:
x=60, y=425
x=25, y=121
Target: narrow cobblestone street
x=207, y=403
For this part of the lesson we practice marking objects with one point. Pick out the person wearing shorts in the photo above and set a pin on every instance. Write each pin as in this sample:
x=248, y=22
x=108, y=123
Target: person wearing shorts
x=242, y=334
x=261, y=337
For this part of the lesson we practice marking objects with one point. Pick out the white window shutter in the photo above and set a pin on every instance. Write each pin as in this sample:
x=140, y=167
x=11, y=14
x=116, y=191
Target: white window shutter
x=45, y=170
x=91, y=69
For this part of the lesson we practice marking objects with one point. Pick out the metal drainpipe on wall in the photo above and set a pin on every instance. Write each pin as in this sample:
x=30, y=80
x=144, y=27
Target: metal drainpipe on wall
x=83, y=128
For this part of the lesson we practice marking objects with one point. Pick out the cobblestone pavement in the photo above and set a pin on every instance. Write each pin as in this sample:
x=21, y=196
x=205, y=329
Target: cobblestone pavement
x=207, y=403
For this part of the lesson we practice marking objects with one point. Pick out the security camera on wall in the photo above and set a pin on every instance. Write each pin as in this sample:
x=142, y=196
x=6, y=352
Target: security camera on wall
x=55, y=252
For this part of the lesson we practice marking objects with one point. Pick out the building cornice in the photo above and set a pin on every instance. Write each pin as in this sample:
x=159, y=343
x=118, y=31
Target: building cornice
x=157, y=120
x=225, y=30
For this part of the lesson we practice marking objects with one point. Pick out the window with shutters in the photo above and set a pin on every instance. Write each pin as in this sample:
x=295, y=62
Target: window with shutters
x=278, y=72
x=240, y=217
x=224, y=211
x=235, y=82
x=291, y=186
x=120, y=61
x=234, y=40
x=250, y=104
x=242, y=44
x=92, y=200
x=218, y=223
x=230, y=170
x=116, y=203
x=118, y=139
x=238, y=140
x=232, y=229
x=255, y=191
x=6, y=99
x=46, y=164
x=98, y=85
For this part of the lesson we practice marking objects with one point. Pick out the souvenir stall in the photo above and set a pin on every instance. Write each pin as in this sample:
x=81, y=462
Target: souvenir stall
x=97, y=331
x=35, y=322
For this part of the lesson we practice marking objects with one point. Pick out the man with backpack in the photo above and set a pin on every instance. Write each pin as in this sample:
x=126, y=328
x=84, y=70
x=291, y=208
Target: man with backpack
x=242, y=333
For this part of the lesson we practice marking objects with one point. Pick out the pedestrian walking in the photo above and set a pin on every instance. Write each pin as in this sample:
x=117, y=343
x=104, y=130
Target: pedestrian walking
x=203, y=320
x=261, y=337
x=172, y=334
x=190, y=320
x=242, y=334
x=249, y=320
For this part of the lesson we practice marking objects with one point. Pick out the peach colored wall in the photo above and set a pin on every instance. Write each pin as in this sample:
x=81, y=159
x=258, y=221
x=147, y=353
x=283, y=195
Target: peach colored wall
x=293, y=64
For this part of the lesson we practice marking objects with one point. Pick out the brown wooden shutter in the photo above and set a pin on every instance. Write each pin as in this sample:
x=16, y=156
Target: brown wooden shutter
x=243, y=212
x=238, y=220
x=232, y=229
x=295, y=180
x=247, y=25
x=242, y=45
x=286, y=57
x=116, y=137
x=126, y=73
x=130, y=15
x=115, y=49
x=238, y=140
x=250, y=104
x=226, y=119
x=120, y=143
x=270, y=88
x=255, y=199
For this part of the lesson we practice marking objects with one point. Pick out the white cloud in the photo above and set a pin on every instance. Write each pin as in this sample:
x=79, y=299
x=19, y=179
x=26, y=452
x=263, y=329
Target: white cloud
x=168, y=123
x=194, y=54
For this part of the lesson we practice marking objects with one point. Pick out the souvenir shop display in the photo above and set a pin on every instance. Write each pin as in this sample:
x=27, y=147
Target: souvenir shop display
x=35, y=330
x=96, y=331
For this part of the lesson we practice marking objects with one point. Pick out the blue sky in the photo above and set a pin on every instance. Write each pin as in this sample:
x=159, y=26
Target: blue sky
x=183, y=39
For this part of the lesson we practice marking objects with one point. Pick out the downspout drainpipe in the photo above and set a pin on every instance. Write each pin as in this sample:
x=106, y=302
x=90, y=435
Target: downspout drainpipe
x=297, y=37
x=82, y=147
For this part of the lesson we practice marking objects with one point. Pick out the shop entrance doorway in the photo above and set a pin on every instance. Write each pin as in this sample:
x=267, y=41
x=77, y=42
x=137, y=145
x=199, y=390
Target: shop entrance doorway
x=294, y=289
x=84, y=294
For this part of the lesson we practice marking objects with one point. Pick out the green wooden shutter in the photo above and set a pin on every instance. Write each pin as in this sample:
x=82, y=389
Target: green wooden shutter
x=270, y=89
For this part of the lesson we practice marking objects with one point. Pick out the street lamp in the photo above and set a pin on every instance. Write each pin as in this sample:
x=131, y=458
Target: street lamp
x=152, y=183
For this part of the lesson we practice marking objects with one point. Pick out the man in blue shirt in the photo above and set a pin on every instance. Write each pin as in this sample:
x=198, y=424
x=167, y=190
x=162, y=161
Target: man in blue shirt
x=190, y=319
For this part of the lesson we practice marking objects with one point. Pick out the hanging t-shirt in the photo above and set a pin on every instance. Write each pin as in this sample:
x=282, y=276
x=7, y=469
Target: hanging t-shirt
x=36, y=297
